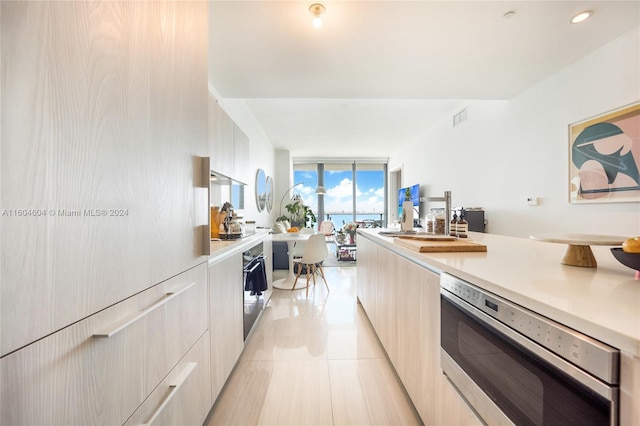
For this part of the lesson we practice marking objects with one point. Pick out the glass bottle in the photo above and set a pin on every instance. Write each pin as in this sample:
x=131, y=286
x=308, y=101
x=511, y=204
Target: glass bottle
x=431, y=223
x=462, y=227
x=453, y=228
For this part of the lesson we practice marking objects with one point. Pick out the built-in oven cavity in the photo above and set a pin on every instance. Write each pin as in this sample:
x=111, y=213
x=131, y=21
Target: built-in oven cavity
x=508, y=377
x=254, y=283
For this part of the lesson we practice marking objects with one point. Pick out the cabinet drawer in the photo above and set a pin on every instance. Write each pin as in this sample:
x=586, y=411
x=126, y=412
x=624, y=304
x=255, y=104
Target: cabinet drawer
x=184, y=396
x=170, y=331
x=74, y=377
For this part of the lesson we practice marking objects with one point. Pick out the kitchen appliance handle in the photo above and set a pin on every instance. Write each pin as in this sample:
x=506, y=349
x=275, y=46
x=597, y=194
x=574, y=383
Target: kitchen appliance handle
x=131, y=319
x=566, y=367
x=179, y=381
x=253, y=268
x=253, y=263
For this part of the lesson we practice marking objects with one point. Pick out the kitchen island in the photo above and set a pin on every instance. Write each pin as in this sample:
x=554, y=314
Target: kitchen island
x=602, y=302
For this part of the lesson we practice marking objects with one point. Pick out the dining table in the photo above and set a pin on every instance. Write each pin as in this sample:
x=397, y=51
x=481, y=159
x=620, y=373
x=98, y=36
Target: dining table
x=291, y=238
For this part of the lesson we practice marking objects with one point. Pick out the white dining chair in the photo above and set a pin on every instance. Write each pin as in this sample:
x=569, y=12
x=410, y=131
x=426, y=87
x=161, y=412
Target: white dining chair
x=315, y=252
x=327, y=228
x=298, y=247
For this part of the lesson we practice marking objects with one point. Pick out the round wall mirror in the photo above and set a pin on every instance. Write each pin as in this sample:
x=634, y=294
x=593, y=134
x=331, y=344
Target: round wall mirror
x=269, y=193
x=261, y=190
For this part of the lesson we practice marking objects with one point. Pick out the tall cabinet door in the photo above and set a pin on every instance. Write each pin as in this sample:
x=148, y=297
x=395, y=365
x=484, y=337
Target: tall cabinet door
x=417, y=338
x=103, y=116
x=226, y=307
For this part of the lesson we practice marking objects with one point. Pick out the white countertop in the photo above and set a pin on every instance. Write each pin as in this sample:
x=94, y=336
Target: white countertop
x=225, y=248
x=602, y=302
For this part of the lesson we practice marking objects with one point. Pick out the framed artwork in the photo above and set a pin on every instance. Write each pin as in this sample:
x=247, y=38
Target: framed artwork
x=604, y=157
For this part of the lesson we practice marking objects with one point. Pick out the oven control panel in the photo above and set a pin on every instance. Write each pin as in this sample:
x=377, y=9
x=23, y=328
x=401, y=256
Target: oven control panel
x=591, y=355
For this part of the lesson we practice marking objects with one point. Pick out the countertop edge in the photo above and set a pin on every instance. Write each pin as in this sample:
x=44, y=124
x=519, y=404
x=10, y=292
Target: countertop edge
x=220, y=250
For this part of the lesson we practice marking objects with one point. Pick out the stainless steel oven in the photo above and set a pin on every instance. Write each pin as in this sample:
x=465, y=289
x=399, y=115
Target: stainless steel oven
x=514, y=366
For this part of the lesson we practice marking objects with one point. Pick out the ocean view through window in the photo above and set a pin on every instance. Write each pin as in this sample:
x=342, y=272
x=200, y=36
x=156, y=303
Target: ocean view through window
x=356, y=191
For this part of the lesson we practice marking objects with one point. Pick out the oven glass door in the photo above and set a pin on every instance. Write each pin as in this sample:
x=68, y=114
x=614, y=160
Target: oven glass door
x=528, y=390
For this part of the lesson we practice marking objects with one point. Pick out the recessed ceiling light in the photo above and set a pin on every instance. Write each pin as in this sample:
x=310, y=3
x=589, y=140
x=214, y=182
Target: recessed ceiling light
x=581, y=17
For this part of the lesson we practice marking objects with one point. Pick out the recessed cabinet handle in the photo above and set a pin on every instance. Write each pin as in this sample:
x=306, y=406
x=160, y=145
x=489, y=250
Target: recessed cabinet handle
x=173, y=390
x=127, y=321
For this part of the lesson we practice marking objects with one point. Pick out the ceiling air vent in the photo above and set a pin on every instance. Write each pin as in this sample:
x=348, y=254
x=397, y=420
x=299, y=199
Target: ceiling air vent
x=460, y=117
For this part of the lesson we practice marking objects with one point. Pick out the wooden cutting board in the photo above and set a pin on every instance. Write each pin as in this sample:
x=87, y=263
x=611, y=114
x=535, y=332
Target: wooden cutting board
x=428, y=237
x=433, y=245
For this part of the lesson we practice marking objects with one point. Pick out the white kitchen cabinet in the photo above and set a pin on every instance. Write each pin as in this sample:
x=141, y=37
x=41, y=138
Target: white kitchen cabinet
x=385, y=296
x=366, y=277
x=418, y=347
x=629, y=389
x=416, y=325
x=241, y=155
x=221, y=139
x=267, y=249
x=99, y=370
x=228, y=145
x=98, y=172
x=184, y=396
x=226, y=318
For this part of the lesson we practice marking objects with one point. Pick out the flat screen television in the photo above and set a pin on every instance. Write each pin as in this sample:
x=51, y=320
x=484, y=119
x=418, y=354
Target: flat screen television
x=415, y=196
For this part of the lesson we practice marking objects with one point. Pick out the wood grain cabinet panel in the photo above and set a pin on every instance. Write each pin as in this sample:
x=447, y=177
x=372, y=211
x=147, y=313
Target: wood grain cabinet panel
x=416, y=338
x=99, y=370
x=403, y=298
x=629, y=389
x=170, y=332
x=367, y=279
x=97, y=155
x=241, y=155
x=366, y=254
x=385, y=301
x=267, y=248
x=226, y=318
x=184, y=396
x=221, y=139
x=418, y=347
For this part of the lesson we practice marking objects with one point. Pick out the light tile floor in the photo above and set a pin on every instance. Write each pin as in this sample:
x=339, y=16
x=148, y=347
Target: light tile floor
x=314, y=361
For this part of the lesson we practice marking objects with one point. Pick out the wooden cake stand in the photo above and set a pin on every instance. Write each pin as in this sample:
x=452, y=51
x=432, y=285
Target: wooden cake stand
x=578, y=251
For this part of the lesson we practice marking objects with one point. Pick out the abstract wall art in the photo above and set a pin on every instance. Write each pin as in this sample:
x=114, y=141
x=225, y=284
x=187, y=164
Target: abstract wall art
x=604, y=157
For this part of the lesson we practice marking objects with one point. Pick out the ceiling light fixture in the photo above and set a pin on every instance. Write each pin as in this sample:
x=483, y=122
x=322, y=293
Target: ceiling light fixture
x=316, y=10
x=581, y=17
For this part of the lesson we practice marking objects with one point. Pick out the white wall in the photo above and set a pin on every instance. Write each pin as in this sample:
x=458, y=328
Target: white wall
x=510, y=150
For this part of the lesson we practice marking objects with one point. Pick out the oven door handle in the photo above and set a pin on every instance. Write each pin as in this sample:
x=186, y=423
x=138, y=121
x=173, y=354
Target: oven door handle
x=252, y=264
x=566, y=367
x=249, y=270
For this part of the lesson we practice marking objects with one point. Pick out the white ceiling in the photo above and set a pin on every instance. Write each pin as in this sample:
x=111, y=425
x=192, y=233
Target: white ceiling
x=378, y=74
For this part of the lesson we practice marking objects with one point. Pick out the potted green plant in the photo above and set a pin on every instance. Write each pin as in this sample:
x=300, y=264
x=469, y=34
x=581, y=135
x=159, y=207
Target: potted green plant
x=299, y=214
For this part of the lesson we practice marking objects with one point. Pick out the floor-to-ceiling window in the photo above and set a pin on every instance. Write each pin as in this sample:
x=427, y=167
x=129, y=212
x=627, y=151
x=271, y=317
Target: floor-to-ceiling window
x=305, y=177
x=339, y=199
x=371, y=190
x=355, y=190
